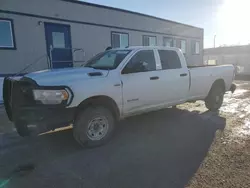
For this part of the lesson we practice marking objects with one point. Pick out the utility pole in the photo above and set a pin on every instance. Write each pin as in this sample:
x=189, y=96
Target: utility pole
x=214, y=40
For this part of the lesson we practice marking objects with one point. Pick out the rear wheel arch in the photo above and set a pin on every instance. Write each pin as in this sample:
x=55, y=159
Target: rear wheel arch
x=215, y=97
x=218, y=83
x=100, y=100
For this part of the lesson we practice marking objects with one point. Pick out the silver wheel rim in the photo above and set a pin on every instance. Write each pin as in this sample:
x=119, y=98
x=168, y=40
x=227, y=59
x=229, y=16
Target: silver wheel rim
x=218, y=98
x=97, y=128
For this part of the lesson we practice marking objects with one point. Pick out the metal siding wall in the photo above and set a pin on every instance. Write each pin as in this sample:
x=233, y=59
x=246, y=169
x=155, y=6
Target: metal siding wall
x=30, y=36
x=30, y=45
x=104, y=16
x=91, y=39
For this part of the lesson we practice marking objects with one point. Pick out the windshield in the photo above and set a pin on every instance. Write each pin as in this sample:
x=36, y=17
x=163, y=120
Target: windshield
x=108, y=59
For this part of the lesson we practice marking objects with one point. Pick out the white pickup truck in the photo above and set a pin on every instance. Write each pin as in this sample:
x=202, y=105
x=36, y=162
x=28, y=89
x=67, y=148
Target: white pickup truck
x=111, y=86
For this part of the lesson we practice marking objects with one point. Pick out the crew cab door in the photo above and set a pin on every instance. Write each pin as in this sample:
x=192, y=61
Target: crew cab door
x=140, y=79
x=174, y=78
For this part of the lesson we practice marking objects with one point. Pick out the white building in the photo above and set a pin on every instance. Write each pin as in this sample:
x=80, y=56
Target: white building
x=32, y=30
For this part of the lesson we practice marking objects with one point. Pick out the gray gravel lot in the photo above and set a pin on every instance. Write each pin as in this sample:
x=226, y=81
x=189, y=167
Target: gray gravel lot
x=160, y=149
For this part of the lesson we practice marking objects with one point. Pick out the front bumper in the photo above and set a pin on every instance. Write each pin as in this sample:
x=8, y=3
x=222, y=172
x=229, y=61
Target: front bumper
x=36, y=120
x=28, y=115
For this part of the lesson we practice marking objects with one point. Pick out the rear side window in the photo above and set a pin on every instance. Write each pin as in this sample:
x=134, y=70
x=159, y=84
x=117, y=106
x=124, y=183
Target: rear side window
x=169, y=59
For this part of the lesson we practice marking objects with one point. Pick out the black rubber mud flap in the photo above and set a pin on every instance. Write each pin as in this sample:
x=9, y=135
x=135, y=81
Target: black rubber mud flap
x=233, y=88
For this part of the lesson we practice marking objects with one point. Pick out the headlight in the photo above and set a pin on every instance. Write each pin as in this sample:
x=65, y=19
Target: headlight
x=51, y=96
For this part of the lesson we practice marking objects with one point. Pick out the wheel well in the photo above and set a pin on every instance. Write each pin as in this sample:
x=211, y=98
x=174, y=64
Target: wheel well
x=218, y=83
x=102, y=101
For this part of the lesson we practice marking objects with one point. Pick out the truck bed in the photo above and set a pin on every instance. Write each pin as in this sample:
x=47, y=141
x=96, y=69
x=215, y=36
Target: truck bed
x=202, y=78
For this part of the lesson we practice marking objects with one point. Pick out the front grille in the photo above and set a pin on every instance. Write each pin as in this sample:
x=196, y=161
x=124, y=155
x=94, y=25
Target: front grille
x=16, y=94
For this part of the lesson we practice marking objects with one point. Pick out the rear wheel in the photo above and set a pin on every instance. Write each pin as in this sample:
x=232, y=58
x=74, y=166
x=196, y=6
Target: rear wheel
x=215, y=98
x=94, y=126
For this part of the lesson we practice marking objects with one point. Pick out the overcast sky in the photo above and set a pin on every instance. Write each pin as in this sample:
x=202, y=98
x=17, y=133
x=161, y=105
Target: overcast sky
x=227, y=19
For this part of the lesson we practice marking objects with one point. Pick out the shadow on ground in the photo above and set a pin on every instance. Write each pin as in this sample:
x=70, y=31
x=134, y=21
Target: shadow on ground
x=159, y=149
x=5, y=124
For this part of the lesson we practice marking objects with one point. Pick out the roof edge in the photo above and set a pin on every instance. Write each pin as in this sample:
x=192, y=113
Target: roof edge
x=127, y=11
x=233, y=46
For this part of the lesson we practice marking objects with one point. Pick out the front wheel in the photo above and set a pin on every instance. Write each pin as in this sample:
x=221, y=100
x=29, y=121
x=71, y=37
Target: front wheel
x=215, y=98
x=94, y=126
x=22, y=128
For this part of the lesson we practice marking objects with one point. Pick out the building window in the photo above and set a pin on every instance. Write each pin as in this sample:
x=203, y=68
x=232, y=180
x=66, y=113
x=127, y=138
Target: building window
x=7, y=40
x=174, y=43
x=149, y=40
x=211, y=62
x=119, y=40
x=183, y=46
x=58, y=40
x=169, y=42
x=197, y=47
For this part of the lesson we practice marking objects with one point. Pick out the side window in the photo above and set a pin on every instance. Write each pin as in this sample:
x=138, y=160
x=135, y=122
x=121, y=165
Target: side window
x=169, y=59
x=142, y=61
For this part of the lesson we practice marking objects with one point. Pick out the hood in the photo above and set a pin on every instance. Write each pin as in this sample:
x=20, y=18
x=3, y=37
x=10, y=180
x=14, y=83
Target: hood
x=60, y=76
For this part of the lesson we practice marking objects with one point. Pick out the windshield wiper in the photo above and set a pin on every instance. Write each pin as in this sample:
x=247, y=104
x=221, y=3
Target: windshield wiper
x=89, y=66
x=101, y=68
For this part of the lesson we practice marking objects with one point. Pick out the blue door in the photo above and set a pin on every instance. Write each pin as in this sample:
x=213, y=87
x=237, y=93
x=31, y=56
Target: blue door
x=58, y=43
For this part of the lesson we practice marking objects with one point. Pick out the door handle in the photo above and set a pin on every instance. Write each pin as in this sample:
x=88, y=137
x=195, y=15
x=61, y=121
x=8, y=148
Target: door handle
x=184, y=74
x=154, y=78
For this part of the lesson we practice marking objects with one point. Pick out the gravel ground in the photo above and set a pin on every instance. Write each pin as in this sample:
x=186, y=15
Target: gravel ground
x=174, y=148
x=228, y=161
x=5, y=125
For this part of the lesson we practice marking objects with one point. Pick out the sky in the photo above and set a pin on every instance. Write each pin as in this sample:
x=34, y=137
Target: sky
x=227, y=19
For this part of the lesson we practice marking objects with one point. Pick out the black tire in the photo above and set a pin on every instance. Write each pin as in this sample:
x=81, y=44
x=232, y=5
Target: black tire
x=215, y=98
x=22, y=129
x=85, y=118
